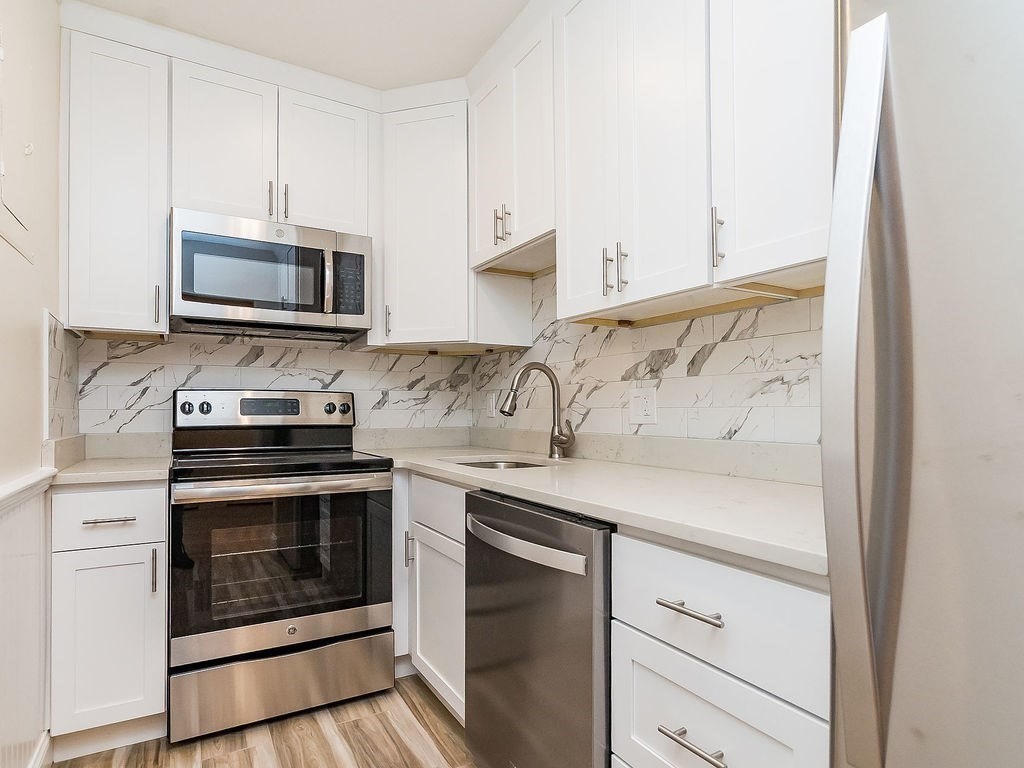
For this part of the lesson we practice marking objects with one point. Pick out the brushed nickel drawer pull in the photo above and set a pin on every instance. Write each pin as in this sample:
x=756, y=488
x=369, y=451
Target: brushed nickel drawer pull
x=105, y=520
x=679, y=606
x=714, y=758
x=153, y=585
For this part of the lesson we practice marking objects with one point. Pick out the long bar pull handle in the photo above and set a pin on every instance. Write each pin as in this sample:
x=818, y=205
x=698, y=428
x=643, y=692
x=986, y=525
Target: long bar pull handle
x=107, y=520
x=527, y=550
x=620, y=256
x=716, y=222
x=156, y=304
x=387, y=319
x=270, y=198
x=286, y=201
x=714, y=758
x=153, y=584
x=506, y=223
x=409, y=556
x=714, y=619
x=494, y=225
x=327, y=261
x=605, y=261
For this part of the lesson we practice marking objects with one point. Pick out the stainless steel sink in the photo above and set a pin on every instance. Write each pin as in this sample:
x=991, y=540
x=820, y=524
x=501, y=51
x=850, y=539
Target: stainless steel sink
x=500, y=464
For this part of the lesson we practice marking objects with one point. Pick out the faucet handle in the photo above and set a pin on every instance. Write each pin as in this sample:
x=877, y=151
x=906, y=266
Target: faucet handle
x=566, y=439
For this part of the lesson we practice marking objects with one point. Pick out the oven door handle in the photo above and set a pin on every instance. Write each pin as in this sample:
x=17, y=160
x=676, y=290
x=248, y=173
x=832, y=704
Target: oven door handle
x=197, y=493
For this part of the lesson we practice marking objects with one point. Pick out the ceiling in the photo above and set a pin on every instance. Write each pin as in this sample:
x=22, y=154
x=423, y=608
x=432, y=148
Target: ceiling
x=380, y=43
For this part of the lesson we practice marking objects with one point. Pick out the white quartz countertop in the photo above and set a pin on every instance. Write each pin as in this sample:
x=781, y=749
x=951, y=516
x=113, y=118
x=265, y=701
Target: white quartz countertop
x=780, y=523
x=114, y=471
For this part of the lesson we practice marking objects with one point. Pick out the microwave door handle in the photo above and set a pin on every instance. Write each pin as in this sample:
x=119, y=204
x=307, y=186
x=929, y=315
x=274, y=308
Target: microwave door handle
x=327, y=260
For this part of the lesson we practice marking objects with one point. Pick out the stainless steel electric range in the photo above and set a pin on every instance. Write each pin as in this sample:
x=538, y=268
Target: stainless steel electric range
x=280, y=561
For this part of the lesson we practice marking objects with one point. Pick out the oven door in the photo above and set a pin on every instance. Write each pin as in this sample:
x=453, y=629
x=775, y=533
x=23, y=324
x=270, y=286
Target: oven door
x=251, y=271
x=262, y=564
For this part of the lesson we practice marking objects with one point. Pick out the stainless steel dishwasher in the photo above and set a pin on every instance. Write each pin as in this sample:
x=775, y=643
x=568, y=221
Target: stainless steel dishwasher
x=537, y=636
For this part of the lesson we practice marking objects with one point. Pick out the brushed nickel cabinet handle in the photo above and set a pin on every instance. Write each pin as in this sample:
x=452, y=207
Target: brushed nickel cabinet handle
x=153, y=585
x=716, y=222
x=620, y=255
x=714, y=619
x=286, y=201
x=506, y=223
x=409, y=556
x=106, y=520
x=605, y=261
x=270, y=198
x=495, y=225
x=387, y=319
x=156, y=304
x=714, y=758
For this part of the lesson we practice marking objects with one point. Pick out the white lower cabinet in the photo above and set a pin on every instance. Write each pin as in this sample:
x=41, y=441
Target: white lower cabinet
x=109, y=604
x=109, y=635
x=668, y=708
x=437, y=614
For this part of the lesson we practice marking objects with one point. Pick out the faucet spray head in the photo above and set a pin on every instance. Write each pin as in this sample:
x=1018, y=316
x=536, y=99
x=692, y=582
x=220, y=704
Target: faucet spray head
x=508, y=405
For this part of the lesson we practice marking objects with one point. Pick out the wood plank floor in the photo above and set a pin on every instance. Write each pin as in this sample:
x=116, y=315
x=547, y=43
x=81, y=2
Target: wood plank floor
x=406, y=727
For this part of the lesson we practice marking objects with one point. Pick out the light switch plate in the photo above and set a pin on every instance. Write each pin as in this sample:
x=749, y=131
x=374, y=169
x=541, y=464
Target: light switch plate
x=492, y=405
x=643, y=406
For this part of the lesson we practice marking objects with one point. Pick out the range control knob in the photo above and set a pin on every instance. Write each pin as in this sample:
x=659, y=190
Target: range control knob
x=330, y=408
x=205, y=408
x=187, y=408
x=344, y=409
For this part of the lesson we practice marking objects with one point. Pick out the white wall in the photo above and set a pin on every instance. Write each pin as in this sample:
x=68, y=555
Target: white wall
x=29, y=91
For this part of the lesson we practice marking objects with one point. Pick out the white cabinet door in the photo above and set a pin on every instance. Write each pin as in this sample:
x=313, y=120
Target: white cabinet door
x=117, y=187
x=586, y=153
x=490, y=147
x=663, y=173
x=426, y=228
x=532, y=203
x=323, y=163
x=771, y=132
x=661, y=696
x=224, y=142
x=437, y=618
x=109, y=636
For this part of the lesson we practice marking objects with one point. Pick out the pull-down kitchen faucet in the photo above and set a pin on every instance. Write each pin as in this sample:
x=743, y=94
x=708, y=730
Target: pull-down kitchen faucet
x=559, y=440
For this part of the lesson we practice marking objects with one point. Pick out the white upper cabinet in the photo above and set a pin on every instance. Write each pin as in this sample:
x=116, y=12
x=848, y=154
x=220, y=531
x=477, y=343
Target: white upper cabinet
x=586, y=153
x=425, y=227
x=224, y=142
x=512, y=153
x=663, y=137
x=490, y=124
x=323, y=163
x=117, y=187
x=772, y=97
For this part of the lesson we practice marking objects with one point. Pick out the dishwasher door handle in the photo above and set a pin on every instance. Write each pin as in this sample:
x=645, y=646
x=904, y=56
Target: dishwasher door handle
x=569, y=562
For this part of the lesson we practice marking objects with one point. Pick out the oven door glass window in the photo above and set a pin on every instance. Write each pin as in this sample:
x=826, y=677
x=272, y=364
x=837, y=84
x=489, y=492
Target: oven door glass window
x=239, y=563
x=235, y=272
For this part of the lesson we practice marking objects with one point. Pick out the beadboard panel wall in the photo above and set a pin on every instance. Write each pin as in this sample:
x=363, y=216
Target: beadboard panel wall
x=128, y=386
x=750, y=376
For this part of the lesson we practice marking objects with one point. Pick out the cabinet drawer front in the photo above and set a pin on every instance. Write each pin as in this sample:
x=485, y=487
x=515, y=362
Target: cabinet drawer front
x=775, y=635
x=108, y=517
x=655, y=685
x=439, y=506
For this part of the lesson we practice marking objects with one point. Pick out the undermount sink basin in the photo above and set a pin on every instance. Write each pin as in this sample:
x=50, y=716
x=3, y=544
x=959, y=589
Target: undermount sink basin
x=501, y=462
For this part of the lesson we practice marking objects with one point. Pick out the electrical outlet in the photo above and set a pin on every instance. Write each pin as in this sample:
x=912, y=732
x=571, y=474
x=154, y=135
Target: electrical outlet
x=492, y=405
x=643, y=406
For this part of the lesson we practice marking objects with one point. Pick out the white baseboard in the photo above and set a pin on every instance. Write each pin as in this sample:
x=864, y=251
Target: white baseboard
x=42, y=757
x=72, y=745
x=404, y=667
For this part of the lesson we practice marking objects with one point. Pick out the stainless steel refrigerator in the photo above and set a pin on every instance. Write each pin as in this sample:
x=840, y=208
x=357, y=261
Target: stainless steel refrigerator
x=923, y=388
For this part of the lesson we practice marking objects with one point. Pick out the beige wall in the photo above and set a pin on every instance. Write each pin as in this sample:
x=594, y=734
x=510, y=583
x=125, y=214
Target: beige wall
x=30, y=86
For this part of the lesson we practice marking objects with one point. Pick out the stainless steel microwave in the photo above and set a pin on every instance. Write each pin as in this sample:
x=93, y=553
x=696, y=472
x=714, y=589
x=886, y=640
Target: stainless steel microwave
x=231, y=275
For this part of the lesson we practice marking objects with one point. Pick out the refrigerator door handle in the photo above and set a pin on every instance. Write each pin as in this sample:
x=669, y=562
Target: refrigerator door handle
x=865, y=574
x=527, y=550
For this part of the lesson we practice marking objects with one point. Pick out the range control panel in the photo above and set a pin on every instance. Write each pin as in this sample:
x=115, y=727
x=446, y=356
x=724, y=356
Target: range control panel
x=252, y=408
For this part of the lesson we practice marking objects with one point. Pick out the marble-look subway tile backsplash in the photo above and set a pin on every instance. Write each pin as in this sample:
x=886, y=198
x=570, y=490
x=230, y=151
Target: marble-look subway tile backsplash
x=62, y=379
x=751, y=376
